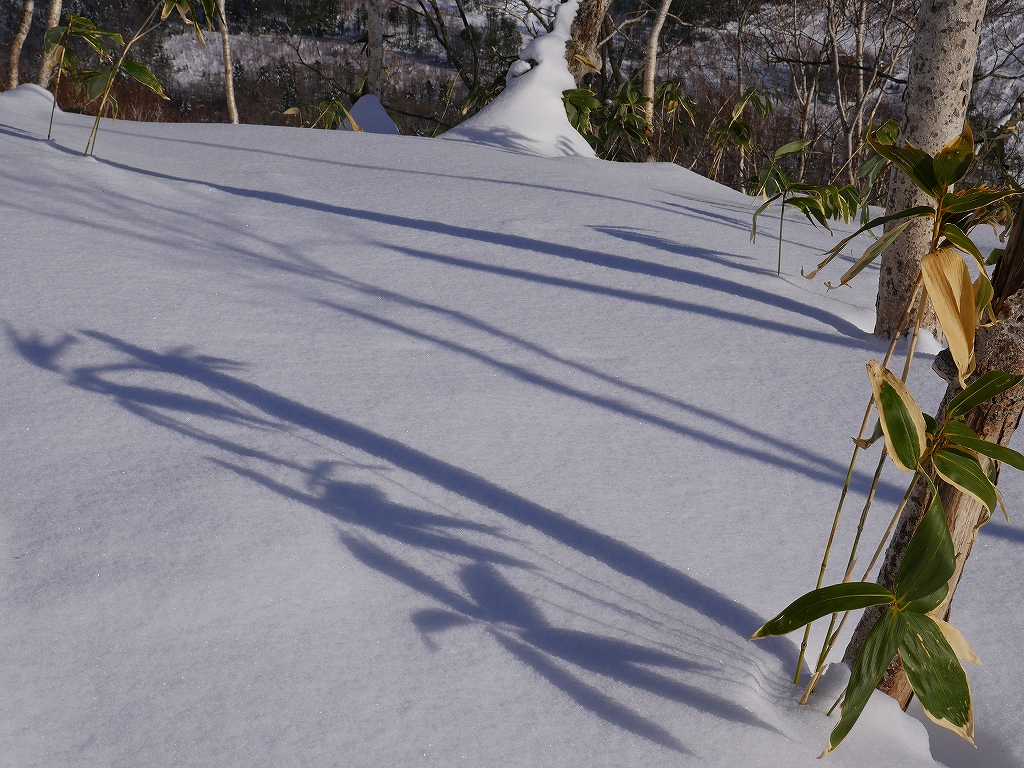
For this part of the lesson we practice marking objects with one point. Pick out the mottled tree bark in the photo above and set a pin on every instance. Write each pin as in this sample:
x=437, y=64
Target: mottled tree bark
x=27, y=8
x=50, y=59
x=375, y=46
x=586, y=34
x=934, y=109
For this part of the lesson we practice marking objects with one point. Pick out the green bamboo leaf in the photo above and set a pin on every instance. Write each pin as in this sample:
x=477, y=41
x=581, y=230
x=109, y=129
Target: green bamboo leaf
x=929, y=561
x=871, y=253
x=812, y=208
x=144, y=76
x=936, y=676
x=921, y=210
x=764, y=207
x=954, y=160
x=901, y=417
x=54, y=38
x=915, y=163
x=95, y=81
x=928, y=602
x=964, y=472
x=973, y=199
x=962, y=435
x=985, y=388
x=879, y=650
x=210, y=9
x=791, y=148
x=837, y=598
x=956, y=236
x=983, y=293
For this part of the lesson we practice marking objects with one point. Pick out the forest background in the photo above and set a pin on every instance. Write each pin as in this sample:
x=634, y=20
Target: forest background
x=733, y=80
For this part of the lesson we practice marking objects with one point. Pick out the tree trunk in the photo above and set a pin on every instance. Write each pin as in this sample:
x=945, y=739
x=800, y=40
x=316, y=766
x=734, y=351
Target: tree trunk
x=18, y=41
x=229, y=74
x=997, y=348
x=934, y=109
x=50, y=59
x=585, y=35
x=651, y=65
x=375, y=46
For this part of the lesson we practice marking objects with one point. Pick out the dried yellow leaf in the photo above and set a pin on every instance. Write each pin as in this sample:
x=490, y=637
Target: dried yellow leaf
x=949, y=286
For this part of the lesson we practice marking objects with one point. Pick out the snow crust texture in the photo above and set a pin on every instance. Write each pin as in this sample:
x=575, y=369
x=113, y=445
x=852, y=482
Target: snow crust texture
x=322, y=448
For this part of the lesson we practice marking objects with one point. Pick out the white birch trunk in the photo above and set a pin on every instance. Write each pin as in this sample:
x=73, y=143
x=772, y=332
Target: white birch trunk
x=934, y=108
x=229, y=78
x=651, y=64
x=375, y=47
x=50, y=59
x=16, y=44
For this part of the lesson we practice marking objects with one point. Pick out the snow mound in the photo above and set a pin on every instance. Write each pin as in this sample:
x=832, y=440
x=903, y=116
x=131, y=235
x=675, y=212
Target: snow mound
x=27, y=99
x=529, y=116
x=371, y=117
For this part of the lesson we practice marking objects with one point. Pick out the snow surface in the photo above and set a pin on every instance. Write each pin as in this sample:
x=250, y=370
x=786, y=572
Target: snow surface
x=323, y=448
x=528, y=116
x=371, y=116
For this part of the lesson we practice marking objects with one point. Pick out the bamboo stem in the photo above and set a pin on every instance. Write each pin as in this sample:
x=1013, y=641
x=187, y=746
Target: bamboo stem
x=829, y=642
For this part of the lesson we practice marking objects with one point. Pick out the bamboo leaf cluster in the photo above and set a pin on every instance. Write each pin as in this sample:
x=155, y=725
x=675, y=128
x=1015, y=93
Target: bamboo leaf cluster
x=112, y=51
x=931, y=449
x=928, y=646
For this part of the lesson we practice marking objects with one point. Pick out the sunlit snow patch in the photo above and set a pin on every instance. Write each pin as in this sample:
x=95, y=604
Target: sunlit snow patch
x=371, y=117
x=529, y=115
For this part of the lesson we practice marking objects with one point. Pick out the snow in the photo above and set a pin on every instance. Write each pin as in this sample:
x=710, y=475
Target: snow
x=371, y=116
x=334, y=448
x=528, y=116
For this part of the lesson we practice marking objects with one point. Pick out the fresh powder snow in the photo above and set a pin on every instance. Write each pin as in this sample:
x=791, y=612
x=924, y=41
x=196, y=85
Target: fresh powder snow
x=326, y=448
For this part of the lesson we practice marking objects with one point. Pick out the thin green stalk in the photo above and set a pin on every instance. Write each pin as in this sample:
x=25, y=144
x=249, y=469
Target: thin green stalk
x=831, y=537
x=143, y=30
x=856, y=543
x=830, y=640
x=842, y=498
x=56, y=87
x=782, y=218
x=838, y=702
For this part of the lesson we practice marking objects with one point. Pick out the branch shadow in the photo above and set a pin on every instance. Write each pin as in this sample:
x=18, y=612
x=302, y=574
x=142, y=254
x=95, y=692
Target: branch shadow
x=276, y=410
x=609, y=261
x=485, y=598
x=825, y=471
x=856, y=339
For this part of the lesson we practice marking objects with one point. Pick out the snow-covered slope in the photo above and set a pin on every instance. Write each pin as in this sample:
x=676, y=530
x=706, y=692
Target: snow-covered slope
x=323, y=448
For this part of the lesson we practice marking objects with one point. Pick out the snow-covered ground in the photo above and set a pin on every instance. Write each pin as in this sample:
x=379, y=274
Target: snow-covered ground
x=323, y=448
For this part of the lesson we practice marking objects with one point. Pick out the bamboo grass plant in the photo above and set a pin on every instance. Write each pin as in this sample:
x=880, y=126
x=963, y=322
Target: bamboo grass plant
x=927, y=448
x=112, y=51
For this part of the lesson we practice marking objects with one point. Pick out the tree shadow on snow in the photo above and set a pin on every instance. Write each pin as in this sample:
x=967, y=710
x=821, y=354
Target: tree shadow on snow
x=485, y=598
x=733, y=289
